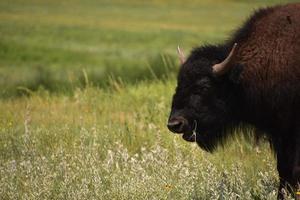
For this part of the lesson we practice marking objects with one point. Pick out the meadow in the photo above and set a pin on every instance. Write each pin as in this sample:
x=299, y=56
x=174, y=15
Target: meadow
x=85, y=93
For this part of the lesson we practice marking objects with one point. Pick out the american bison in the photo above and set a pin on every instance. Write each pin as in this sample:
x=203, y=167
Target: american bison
x=251, y=79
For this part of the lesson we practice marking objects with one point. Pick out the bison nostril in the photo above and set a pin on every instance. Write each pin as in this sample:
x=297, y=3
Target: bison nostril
x=176, y=126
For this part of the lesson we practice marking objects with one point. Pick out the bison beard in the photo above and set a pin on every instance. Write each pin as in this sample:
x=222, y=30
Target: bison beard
x=256, y=82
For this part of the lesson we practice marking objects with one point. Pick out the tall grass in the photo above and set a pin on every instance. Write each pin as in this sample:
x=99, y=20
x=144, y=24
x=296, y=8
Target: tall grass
x=102, y=145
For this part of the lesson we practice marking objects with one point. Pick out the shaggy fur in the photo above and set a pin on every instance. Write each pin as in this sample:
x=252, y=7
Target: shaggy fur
x=262, y=89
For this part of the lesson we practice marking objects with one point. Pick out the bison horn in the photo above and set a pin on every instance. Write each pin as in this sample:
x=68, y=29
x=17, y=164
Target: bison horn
x=181, y=55
x=224, y=66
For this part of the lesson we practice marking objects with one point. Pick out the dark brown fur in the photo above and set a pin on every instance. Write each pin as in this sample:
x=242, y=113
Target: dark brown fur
x=271, y=82
x=271, y=54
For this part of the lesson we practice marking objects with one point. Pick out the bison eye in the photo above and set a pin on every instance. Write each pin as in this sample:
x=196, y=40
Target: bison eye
x=202, y=90
x=195, y=100
x=204, y=82
x=203, y=86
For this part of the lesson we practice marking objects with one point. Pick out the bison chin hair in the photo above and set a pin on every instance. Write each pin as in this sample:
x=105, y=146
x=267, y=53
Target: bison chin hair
x=211, y=139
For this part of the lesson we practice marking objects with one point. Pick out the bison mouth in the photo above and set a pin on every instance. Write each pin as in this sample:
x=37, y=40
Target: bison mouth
x=190, y=136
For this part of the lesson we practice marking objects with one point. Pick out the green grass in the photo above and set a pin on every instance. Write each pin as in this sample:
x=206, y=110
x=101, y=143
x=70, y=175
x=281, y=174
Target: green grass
x=98, y=78
x=48, y=43
x=102, y=145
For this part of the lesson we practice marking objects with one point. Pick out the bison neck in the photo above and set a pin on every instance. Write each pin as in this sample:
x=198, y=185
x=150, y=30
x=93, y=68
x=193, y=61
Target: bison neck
x=269, y=102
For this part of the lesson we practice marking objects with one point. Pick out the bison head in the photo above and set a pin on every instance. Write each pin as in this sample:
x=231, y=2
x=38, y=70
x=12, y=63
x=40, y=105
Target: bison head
x=200, y=107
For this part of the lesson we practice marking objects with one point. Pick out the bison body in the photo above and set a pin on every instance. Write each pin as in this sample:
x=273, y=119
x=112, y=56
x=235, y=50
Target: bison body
x=257, y=83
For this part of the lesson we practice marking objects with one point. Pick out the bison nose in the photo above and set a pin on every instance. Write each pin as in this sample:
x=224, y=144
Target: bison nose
x=177, y=125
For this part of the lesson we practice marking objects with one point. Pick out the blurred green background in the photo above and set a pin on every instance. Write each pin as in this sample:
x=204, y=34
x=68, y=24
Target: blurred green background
x=58, y=44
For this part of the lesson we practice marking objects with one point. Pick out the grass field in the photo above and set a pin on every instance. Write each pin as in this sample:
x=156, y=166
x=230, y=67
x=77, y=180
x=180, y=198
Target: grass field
x=99, y=145
x=98, y=77
x=49, y=44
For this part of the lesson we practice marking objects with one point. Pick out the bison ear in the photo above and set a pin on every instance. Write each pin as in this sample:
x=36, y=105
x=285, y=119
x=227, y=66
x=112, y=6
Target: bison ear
x=221, y=68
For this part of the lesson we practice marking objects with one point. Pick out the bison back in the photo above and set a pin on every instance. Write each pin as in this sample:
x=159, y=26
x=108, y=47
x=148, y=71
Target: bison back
x=269, y=51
